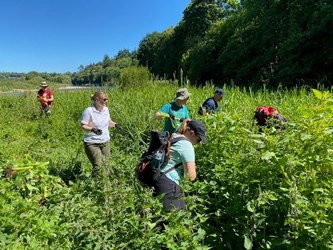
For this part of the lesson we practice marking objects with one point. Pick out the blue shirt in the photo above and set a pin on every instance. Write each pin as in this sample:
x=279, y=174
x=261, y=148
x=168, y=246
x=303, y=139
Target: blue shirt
x=211, y=105
x=180, y=152
x=179, y=112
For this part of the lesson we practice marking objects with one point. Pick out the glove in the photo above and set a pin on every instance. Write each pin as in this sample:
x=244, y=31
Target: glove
x=97, y=131
x=181, y=119
x=118, y=127
x=172, y=117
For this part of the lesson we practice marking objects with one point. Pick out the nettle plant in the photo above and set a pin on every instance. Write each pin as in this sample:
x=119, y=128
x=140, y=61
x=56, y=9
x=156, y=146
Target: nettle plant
x=270, y=189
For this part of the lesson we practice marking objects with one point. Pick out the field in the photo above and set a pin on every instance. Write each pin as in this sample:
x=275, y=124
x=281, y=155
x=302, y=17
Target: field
x=270, y=190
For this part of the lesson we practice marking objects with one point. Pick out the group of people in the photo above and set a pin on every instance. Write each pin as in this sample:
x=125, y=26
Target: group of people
x=178, y=123
x=96, y=121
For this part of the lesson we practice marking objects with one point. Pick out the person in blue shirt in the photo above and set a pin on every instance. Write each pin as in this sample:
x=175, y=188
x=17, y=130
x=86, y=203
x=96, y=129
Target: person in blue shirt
x=174, y=112
x=212, y=103
x=180, y=165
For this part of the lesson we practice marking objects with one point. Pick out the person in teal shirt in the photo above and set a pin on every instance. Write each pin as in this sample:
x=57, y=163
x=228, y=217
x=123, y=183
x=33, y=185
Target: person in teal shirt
x=174, y=112
x=180, y=165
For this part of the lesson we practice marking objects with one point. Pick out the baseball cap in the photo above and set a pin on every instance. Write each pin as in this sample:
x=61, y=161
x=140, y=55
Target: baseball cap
x=182, y=94
x=219, y=91
x=199, y=128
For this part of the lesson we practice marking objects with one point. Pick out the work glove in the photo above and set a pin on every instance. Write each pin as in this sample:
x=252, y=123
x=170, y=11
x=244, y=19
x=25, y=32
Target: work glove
x=97, y=131
x=172, y=117
x=118, y=127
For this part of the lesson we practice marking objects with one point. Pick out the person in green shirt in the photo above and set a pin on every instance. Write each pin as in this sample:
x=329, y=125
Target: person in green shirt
x=174, y=112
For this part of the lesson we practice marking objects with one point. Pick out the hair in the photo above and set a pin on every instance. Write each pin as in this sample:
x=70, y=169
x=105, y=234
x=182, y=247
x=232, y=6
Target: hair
x=183, y=127
x=96, y=95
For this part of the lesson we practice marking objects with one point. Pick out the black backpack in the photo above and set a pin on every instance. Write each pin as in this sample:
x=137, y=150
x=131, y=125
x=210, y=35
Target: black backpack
x=148, y=168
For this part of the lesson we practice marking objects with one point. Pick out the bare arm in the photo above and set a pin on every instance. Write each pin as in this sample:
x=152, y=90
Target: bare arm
x=51, y=99
x=112, y=124
x=86, y=127
x=191, y=170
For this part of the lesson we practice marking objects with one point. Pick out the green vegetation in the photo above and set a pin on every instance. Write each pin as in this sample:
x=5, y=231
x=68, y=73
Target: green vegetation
x=269, y=190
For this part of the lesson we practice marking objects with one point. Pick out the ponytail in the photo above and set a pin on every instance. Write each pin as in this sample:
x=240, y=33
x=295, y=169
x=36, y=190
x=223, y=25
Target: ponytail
x=183, y=127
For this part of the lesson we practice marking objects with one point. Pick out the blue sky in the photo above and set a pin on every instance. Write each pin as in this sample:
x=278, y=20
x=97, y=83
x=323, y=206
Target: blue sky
x=60, y=35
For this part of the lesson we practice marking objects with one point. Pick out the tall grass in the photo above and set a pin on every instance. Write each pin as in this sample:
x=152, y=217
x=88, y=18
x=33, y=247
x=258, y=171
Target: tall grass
x=254, y=190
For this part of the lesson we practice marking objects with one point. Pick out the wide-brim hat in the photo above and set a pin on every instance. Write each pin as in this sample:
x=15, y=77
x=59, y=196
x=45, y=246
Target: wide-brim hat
x=44, y=84
x=182, y=94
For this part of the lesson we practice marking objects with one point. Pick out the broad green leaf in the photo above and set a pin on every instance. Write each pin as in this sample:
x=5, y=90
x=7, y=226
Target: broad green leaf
x=247, y=243
x=317, y=94
x=267, y=155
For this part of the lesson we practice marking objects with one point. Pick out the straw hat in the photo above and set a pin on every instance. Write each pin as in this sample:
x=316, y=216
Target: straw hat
x=44, y=84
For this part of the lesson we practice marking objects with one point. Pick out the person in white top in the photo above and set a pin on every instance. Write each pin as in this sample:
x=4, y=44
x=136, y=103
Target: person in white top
x=96, y=122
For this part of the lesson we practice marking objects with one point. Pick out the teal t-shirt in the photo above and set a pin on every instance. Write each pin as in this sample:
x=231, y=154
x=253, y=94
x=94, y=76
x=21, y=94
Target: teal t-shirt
x=173, y=109
x=180, y=152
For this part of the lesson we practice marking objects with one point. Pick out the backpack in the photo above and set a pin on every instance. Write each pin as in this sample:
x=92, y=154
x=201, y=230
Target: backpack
x=267, y=116
x=148, y=168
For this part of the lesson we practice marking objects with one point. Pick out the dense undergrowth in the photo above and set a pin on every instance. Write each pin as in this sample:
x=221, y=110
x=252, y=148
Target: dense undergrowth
x=270, y=190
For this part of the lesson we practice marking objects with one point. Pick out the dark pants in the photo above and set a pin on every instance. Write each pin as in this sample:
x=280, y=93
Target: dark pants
x=174, y=198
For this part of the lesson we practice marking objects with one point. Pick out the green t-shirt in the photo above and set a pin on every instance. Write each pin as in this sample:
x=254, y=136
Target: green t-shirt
x=173, y=109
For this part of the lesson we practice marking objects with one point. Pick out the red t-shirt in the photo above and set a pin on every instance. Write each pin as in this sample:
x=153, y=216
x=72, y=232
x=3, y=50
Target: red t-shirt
x=46, y=93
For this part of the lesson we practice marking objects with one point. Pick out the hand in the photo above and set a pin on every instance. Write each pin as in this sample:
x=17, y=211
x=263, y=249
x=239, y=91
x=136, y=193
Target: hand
x=118, y=127
x=97, y=131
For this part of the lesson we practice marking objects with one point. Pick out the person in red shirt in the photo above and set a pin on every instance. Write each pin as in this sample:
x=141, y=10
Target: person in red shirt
x=45, y=97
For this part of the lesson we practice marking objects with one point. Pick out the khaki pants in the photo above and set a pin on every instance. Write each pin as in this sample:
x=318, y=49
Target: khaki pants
x=98, y=155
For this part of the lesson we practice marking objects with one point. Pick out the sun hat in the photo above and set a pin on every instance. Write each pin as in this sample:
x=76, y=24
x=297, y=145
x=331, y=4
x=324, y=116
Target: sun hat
x=199, y=128
x=182, y=94
x=44, y=84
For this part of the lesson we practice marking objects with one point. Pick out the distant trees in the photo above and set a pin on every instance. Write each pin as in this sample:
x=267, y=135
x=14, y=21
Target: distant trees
x=250, y=41
x=245, y=42
x=107, y=71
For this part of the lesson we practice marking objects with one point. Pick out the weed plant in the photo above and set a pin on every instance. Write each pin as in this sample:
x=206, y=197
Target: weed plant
x=268, y=190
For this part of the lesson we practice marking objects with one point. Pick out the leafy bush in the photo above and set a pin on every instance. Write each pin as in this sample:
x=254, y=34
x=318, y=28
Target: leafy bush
x=133, y=76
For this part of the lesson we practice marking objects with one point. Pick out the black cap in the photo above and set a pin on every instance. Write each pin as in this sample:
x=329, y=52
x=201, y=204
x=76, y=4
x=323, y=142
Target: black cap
x=199, y=128
x=219, y=92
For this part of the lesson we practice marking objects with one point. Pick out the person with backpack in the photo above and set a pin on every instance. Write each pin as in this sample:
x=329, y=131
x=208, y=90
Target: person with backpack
x=174, y=112
x=212, y=103
x=45, y=97
x=181, y=164
x=267, y=116
x=96, y=121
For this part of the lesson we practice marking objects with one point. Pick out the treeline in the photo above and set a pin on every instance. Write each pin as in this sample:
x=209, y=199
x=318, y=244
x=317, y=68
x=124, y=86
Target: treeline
x=34, y=76
x=229, y=41
x=250, y=41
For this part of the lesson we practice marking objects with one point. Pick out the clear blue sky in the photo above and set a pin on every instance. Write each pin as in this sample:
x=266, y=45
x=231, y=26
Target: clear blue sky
x=60, y=35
